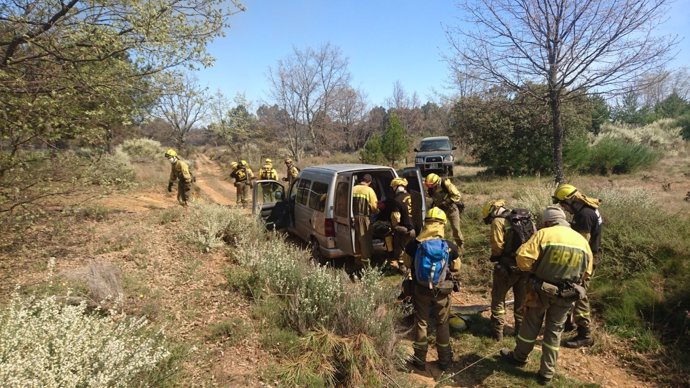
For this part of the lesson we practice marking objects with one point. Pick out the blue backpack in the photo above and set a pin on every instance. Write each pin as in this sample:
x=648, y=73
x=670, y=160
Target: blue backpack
x=431, y=262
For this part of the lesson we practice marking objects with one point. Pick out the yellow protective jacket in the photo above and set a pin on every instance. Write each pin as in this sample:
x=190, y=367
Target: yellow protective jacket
x=292, y=172
x=364, y=200
x=497, y=236
x=434, y=230
x=556, y=254
x=180, y=170
x=446, y=196
x=268, y=172
x=242, y=175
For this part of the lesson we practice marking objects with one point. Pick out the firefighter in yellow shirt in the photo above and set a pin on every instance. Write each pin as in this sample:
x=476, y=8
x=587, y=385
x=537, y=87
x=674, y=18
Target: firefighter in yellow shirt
x=267, y=172
x=179, y=172
x=559, y=260
x=364, y=204
x=243, y=176
x=447, y=197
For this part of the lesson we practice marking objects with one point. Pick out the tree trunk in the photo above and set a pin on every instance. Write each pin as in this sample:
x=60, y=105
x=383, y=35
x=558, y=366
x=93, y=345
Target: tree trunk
x=555, y=104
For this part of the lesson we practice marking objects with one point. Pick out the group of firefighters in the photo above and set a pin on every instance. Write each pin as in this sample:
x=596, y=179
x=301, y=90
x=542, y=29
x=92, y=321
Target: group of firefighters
x=549, y=279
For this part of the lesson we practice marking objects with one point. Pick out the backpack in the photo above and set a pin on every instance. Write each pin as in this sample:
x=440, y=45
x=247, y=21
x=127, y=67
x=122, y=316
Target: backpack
x=522, y=227
x=431, y=262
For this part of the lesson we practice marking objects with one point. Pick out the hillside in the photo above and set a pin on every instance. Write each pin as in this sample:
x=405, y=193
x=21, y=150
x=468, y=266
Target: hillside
x=138, y=238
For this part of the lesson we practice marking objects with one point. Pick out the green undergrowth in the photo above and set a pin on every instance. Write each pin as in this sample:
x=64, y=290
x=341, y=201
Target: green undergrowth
x=325, y=329
x=639, y=292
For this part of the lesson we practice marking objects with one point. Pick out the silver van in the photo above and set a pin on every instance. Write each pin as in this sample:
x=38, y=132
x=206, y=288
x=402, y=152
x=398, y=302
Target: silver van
x=317, y=207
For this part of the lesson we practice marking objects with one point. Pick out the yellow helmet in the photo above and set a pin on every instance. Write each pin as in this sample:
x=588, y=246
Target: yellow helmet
x=563, y=192
x=268, y=161
x=243, y=163
x=233, y=164
x=432, y=180
x=288, y=161
x=398, y=182
x=492, y=205
x=170, y=153
x=436, y=214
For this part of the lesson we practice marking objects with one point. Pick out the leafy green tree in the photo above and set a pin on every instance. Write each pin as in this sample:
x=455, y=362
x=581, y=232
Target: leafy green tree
x=72, y=70
x=600, y=113
x=511, y=134
x=394, y=143
x=371, y=153
x=672, y=106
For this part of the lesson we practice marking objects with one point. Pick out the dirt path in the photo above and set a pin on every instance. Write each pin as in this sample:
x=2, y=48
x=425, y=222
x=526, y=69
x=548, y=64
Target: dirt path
x=209, y=180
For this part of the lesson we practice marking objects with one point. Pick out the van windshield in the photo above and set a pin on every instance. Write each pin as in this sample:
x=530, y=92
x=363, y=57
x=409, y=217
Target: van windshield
x=435, y=145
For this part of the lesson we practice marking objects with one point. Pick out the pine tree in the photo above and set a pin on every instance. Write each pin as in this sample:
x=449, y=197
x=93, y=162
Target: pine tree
x=394, y=143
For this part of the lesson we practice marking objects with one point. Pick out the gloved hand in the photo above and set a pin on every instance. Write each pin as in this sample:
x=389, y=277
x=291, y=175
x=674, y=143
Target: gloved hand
x=412, y=233
x=461, y=206
x=170, y=185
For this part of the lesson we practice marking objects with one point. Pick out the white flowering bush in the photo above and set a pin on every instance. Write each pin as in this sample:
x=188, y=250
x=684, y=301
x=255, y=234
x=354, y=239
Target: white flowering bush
x=212, y=226
x=44, y=343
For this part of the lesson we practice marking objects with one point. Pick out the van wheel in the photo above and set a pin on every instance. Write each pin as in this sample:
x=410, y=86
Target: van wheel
x=316, y=255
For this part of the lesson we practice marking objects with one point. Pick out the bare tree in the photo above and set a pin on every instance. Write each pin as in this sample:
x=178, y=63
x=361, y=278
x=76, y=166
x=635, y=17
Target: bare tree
x=348, y=109
x=571, y=46
x=183, y=106
x=305, y=85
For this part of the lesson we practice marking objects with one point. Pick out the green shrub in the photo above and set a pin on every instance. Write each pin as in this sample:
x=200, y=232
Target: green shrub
x=210, y=226
x=141, y=150
x=111, y=170
x=233, y=331
x=608, y=156
x=293, y=294
x=45, y=343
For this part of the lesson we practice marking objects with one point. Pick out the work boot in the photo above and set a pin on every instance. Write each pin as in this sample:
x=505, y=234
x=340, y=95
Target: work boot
x=497, y=332
x=569, y=325
x=509, y=355
x=582, y=339
x=419, y=359
x=544, y=381
x=516, y=329
x=445, y=357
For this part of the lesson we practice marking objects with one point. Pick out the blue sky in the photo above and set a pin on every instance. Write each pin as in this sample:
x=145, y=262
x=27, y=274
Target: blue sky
x=384, y=40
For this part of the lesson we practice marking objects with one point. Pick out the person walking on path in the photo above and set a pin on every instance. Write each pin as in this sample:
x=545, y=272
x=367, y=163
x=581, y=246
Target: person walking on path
x=267, y=172
x=292, y=171
x=179, y=171
x=243, y=176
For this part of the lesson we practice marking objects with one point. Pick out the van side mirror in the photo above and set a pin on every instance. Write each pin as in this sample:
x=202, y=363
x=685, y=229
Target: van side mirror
x=415, y=150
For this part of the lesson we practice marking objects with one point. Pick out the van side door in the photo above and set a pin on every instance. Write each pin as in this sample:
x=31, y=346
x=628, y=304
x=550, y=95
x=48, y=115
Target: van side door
x=268, y=202
x=415, y=186
x=342, y=213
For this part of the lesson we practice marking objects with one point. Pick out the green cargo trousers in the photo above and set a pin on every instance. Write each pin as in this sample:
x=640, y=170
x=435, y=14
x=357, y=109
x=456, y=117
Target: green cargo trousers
x=363, y=243
x=503, y=280
x=425, y=302
x=183, y=190
x=539, y=306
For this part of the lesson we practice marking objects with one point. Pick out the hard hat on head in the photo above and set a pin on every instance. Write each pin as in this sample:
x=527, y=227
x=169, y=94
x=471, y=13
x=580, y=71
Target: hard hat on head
x=233, y=164
x=398, y=182
x=243, y=163
x=436, y=214
x=432, y=180
x=563, y=192
x=268, y=161
x=288, y=160
x=170, y=153
x=491, y=206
